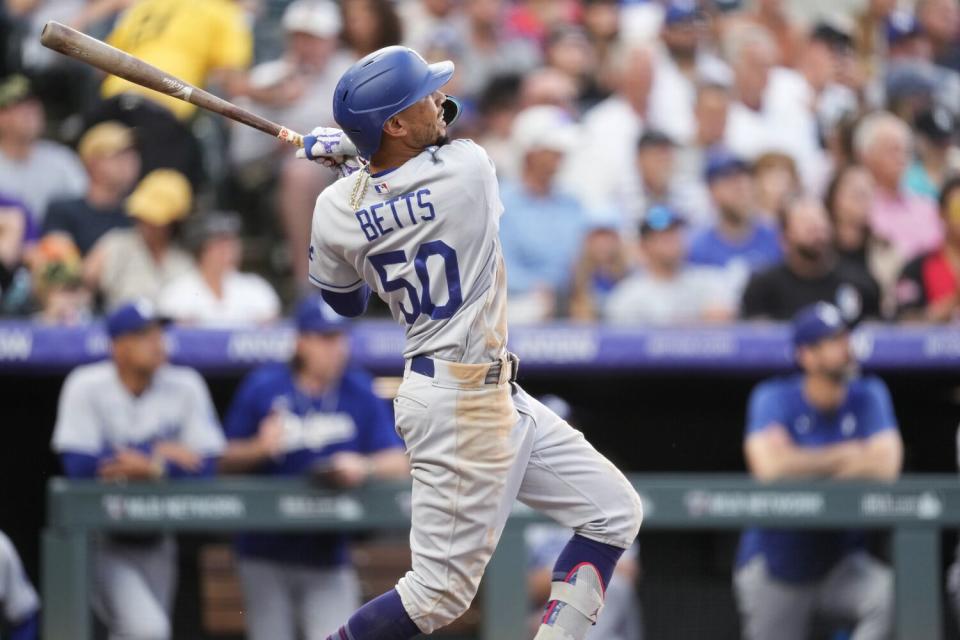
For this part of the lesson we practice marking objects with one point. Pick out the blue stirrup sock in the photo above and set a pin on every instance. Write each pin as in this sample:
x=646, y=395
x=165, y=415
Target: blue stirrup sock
x=383, y=618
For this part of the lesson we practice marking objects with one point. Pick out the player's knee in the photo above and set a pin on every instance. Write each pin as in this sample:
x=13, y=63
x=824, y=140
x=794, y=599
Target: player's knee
x=877, y=601
x=622, y=515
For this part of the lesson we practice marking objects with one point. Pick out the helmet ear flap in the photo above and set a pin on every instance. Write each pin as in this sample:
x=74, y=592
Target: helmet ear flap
x=451, y=110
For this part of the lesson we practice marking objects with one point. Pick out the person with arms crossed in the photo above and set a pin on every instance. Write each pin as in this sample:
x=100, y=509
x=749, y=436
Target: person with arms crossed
x=826, y=422
x=419, y=225
x=135, y=418
x=315, y=415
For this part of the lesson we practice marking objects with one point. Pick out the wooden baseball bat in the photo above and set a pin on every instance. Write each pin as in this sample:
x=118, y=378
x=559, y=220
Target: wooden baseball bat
x=71, y=42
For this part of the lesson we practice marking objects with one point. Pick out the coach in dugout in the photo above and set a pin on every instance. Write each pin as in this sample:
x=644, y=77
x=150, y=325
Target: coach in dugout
x=315, y=416
x=826, y=422
x=135, y=418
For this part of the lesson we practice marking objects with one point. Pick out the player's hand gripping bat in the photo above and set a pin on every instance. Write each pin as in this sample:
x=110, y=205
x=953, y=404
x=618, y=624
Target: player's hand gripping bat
x=71, y=42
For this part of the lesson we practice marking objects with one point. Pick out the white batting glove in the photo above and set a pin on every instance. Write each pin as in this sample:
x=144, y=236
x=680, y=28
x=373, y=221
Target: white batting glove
x=331, y=148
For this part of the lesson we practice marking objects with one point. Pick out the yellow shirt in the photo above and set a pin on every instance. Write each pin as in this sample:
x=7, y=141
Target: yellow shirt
x=186, y=38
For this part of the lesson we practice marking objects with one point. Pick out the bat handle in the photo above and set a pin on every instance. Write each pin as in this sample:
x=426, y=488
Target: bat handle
x=291, y=137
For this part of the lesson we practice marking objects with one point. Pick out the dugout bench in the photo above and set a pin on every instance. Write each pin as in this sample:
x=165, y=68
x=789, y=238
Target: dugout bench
x=915, y=509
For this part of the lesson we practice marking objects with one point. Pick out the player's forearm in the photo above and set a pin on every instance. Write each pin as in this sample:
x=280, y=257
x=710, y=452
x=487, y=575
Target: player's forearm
x=389, y=465
x=242, y=456
x=881, y=458
x=795, y=463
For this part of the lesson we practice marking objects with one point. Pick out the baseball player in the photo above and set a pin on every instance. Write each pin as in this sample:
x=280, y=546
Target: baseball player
x=823, y=423
x=418, y=224
x=135, y=418
x=19, y=604
x=312, y=416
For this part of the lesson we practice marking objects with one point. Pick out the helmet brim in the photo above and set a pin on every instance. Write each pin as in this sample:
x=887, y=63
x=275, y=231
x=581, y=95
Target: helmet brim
x=440, y=74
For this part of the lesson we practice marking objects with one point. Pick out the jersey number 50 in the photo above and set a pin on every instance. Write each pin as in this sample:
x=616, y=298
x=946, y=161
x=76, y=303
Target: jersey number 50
x=421, y=303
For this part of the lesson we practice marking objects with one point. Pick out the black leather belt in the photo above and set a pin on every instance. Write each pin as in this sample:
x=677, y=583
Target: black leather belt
x=425, y=367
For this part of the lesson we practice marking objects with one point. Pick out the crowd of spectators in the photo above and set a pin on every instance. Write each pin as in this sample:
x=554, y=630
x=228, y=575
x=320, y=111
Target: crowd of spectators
x=662, y=161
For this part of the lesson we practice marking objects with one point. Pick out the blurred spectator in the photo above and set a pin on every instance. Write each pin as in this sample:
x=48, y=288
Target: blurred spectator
x=602, y=264
x=314, y=416
x=912, y=82
x=871, y=42
x=59, y=297
x=775, y=181
x=542, y=228
x=774, y=16
x=828, y=66
x=198, y=43
x=17, y=233
x=909, y=222
x=824, y=423
x=934, y=143
x=127, y=264
x=113, y=165
x=848, y=201
x=422, y=20
x=498, y=107
x=710, y=112
x=681, y=63
x=929, y=288
x=809, y=272
x=32, y=170
x=655, y=157
x=739, y=242
x=609, y=136
x=135, y=418
x=216, y=293
x=601, y=20
x=773, y=108
x=295, y=88
x=488, y=50
x=549, y=86
x=668, y=290
x=19, y=603
x=940, y=21
x=369, y=25
x=568, y=50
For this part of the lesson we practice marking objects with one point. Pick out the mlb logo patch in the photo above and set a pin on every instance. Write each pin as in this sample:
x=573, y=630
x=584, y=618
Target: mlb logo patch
x=381, y=187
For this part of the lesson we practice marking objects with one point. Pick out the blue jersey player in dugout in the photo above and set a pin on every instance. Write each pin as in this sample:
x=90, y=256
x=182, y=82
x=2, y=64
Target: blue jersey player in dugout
x=291, y=420
x=826, y=422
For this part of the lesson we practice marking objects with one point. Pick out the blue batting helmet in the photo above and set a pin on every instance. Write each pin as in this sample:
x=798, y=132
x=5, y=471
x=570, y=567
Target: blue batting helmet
x=381, y=85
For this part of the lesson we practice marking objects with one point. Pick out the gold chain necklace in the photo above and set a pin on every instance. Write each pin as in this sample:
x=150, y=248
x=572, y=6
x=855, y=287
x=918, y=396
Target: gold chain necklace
x=359, y=188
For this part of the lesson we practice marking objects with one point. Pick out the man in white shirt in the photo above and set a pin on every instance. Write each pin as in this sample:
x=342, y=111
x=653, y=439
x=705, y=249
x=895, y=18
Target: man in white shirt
x=773, y=107
x=216, y=293
x=680, y=65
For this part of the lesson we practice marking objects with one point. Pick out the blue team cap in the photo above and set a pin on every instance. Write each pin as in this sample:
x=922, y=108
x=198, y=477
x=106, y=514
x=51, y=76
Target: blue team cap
x=315, y=316
x=133, y=317
x=902, y=25
x=817, y=322
x=679, y=11
x=721, y=163
x=660, y=217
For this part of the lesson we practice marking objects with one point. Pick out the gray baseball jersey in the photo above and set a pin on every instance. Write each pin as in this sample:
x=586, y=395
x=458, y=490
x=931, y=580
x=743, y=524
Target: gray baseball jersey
x=425, y=238
x=18, y=600
x=97, y=414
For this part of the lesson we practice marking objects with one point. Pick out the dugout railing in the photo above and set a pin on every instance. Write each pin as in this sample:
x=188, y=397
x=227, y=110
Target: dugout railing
x=915, y=509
